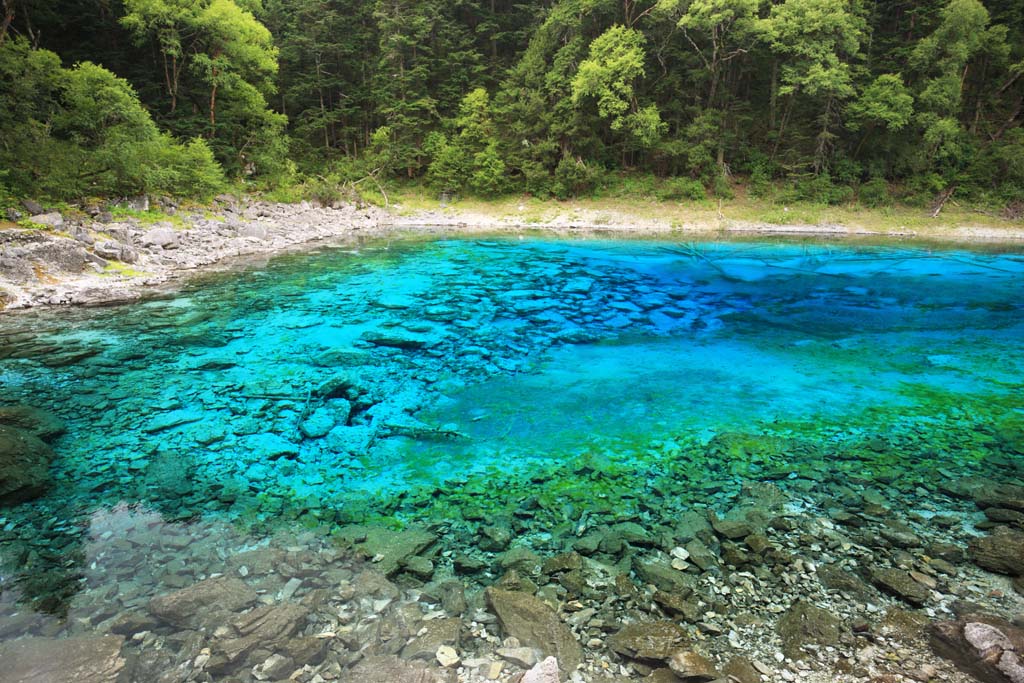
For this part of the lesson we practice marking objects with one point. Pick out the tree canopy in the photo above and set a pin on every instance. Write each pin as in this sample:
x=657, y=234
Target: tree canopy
x=495, y=96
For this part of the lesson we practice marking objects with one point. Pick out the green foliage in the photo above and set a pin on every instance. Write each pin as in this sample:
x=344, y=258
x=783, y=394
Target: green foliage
x=476, y=97
x=676, y=189
x=82, y=131
x=875, y=193
x=574, y=178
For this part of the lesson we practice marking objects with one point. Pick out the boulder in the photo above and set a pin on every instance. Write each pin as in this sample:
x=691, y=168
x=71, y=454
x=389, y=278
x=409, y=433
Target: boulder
x=37, y=422
x=805, y=624
x=988, y=648
x=1006, y=496
x=72, y=660
x=188, y=606
x=651, y=641
x=1002, y=552
x=50, y=220
x=24, y=466
x=163, y=237
x=534, y=624
x=33, y=207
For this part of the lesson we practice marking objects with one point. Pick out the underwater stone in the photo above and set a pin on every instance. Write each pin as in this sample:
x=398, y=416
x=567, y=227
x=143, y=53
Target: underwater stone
x=391, y=669
x=692, y=667
x=70, y=660
x=535, y=624
x=24, y=466
x=175, y=418
x=1002, y=552
x=389, y=549
x=652, y=641
x=806, y=624
x=986, y=647
x=188, y=605
x=400, y=339
x=665, y=577
x=543, y=672
x=40, y=423
x=522, y=560
x=435, y=634
x=320, y=422
x=900, y=584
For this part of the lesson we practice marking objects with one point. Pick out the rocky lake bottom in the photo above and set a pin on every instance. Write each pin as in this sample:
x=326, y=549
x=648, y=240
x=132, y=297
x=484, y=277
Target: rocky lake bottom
x=524, y=460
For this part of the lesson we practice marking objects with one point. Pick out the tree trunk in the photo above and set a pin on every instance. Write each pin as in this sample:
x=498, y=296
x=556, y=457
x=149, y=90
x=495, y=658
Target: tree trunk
x=8, y=9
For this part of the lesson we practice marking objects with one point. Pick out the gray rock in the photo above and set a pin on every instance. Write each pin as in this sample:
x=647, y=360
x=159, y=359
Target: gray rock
x=71, y=660
x=24, y=466
x=805, y=624
x=50, y=220
x=268, y=627
x=33, y=208
x=1002, y=552
x=664, y=577
x=188, y=606
x=12, y=215
x=534, y=624
x=163, y=237
x=650, y=641
x=988, y=648
x=253, y=230
x=400, y=339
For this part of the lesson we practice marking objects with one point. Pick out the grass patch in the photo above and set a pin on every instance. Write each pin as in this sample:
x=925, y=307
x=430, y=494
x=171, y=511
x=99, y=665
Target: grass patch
x=150, y=217
x=115, y=268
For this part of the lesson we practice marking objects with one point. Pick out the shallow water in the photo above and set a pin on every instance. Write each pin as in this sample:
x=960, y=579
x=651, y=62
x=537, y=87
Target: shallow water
x=455, y=380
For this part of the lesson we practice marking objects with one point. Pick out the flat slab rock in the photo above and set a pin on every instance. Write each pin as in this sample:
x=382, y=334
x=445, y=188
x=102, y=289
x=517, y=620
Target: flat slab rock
x=391, y=669
x=189, y=605
x=988, y=648
x=1002, y=552
x=534, y=624
x=72, y=660
x=656, y=640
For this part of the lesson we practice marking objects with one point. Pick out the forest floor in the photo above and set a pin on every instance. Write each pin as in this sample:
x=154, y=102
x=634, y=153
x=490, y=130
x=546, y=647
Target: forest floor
x=415, y=207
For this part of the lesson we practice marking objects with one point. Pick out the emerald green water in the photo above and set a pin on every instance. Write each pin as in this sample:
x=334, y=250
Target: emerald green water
x=457, y=381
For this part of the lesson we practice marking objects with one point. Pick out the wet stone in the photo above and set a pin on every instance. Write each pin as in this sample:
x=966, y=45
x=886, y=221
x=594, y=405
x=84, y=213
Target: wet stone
x=534, y=624
x=73, y=660
x=656, y=640
x=1002, y=552
x=900, y=584
x=192, y=605
x=805, y=624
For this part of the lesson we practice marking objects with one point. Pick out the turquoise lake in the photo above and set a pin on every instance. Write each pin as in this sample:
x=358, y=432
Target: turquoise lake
x=456, y=380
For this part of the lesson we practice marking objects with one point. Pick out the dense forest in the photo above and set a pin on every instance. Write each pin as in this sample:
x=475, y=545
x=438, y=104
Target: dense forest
x=830, y=100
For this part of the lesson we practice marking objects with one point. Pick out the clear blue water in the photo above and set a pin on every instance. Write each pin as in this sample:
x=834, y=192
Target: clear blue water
x=454, y=379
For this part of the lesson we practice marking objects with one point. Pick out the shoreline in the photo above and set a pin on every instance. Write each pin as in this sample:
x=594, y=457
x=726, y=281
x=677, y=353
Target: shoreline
x=85, y=262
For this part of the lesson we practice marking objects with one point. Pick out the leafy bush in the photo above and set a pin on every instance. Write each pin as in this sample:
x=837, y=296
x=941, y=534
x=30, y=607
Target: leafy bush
x=675, y=189
x=574, y=178
x=816, y=189
x=489, y=176
x=875, y=193
x=82, y=131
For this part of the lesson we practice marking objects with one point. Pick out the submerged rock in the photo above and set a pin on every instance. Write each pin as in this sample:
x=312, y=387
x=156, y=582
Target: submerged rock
x=192, y=605
x=24, y=466
x=652, y=641
x=988, y=648
x=534, y=624
x=72, y=660
x=390, y=549
x=901, y=584
x=1002, y=552
x=40, y=423
x=391, y=669
x=806, y=624
x=692, y=667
